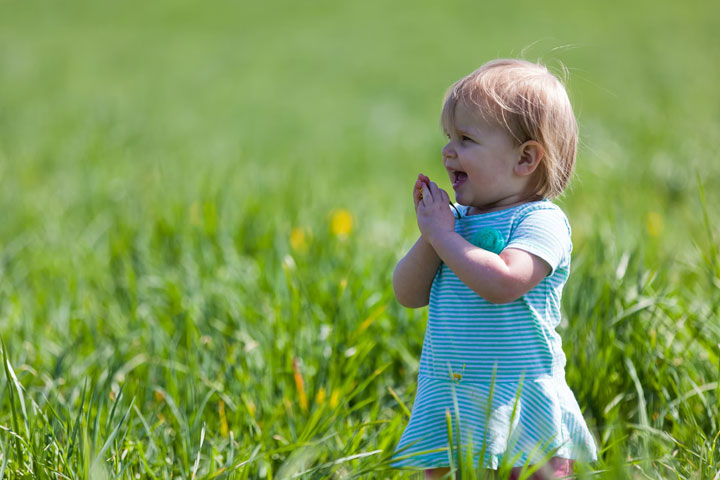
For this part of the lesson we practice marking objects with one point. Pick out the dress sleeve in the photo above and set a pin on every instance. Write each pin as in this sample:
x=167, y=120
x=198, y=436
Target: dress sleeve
x=544, y=233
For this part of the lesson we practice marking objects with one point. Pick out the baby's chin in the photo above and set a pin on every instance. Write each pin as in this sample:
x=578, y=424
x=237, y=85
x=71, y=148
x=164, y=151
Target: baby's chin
x=459, y=198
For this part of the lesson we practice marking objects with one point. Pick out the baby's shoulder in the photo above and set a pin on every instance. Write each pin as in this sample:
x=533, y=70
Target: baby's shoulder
x=540, y=215
x=542, y=228
x=539, y=209
x=540, y=205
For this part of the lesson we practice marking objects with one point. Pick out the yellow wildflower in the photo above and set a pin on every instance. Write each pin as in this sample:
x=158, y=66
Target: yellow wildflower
x=249, y=405
x=320, y=397
x=343, y=286
x=334, y=398
x=299, y=239
x=300, y=385
x=654, y=224
x=223, y=419
x=341, y=222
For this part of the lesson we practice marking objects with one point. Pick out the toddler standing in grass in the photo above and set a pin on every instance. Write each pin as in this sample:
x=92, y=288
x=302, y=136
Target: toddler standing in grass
x=492, y=270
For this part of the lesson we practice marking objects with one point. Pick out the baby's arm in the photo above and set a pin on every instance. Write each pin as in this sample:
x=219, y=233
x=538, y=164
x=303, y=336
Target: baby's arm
x=497, y=278
x=414, y=273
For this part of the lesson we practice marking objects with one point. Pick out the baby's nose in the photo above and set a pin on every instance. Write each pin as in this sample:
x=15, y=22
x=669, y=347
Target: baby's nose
x=448, y=150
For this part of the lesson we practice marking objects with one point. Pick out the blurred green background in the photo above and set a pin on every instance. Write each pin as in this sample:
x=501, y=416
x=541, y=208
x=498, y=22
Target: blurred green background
x=156, y=158
x=136, y=103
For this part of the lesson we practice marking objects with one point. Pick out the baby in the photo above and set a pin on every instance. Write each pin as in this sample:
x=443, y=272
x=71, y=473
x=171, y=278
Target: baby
x=492, y=270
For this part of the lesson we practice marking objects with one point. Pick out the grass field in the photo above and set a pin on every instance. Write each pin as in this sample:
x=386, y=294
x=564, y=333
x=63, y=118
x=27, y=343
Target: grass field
x=201, y=208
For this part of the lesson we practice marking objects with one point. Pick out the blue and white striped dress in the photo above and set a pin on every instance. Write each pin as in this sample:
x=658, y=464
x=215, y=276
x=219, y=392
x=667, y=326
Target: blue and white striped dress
x=498, y=370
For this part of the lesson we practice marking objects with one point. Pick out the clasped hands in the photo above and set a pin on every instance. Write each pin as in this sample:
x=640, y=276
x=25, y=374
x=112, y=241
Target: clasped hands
x=434, y=217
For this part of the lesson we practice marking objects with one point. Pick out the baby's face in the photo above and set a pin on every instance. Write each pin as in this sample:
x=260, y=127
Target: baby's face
x=480, y=159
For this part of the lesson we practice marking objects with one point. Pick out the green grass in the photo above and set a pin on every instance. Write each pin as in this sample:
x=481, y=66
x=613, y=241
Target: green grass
x=156, y=158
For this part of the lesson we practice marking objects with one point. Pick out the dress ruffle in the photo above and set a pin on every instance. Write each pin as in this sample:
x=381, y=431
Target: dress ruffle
x=526, y=422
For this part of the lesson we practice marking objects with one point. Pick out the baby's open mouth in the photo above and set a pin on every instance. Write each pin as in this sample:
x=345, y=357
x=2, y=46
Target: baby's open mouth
x=458, y=178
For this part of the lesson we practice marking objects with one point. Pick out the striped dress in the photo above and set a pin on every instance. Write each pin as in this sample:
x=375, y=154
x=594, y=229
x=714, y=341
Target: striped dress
x=496, y=373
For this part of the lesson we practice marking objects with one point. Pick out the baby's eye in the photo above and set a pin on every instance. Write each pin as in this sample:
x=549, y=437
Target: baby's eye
x=465, y=138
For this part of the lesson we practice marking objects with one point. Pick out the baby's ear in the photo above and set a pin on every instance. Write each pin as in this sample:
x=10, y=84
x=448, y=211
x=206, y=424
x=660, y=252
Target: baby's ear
x=531, y=153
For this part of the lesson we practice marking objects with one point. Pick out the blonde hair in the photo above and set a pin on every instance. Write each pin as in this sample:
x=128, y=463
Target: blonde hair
x=530, y=103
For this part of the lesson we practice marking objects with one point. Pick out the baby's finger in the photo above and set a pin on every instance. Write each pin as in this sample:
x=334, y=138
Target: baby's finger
x=444, y=196
x=435, y=190
x=426, y=193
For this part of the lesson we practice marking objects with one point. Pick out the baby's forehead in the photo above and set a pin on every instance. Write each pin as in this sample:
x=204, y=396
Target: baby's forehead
x=464, y=115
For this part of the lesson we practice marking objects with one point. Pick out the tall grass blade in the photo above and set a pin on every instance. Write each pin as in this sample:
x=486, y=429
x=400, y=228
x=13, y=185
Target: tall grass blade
x=448, y=421
x=6, y=459
x=642, y=406
x=458, y=442
x=114, y=406
x=99, y=458
x=72, y=440
x=148, y=431
x=197, y=459
x=13, y=390
x=488, y=413
x=404, y=408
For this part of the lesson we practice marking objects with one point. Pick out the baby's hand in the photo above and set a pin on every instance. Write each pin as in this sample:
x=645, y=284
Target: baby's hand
x=433, y=214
